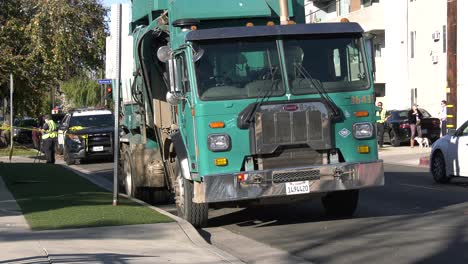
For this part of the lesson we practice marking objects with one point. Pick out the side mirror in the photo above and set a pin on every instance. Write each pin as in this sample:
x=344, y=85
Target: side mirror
x=451, y=132
x=369, y=42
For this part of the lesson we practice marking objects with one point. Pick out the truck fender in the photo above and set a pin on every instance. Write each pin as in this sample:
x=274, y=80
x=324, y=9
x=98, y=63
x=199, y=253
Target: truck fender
x=181, y=151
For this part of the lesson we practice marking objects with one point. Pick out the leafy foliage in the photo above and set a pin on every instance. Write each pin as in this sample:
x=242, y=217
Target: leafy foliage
x=44, y=43
x=82, y=91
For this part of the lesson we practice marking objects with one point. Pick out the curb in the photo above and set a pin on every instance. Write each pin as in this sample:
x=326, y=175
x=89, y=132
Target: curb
x=424, y=162
x=186, y=227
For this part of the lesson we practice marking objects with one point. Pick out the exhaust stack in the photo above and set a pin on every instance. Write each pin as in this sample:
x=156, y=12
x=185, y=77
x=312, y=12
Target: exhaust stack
x=284, y=12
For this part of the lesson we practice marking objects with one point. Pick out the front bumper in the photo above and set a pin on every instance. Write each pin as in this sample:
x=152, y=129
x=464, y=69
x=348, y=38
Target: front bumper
x=272, y=183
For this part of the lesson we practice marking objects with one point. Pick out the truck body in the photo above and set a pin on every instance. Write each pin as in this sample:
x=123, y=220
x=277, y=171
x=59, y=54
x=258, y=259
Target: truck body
x=239, y=101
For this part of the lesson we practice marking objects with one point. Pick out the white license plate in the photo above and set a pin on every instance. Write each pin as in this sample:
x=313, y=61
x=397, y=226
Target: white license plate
x=98, y=148
x=297, y=187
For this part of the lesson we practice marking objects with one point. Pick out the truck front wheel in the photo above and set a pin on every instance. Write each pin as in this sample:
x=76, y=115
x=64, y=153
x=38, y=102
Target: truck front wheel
x=341, y=203
x=194, y=213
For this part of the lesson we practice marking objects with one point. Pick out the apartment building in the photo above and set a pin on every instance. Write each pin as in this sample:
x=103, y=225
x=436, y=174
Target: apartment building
x=410, y=45
x=462, y=62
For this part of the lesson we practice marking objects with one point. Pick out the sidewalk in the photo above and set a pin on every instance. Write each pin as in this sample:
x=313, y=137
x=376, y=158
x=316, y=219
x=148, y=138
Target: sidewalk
x=403, y=155
x=176, y=242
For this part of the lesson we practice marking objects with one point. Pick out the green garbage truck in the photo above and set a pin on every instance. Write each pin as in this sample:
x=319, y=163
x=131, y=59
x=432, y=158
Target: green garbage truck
x=236, y=102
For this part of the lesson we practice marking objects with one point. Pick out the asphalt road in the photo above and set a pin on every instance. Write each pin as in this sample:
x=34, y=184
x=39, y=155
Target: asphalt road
x=409, y=220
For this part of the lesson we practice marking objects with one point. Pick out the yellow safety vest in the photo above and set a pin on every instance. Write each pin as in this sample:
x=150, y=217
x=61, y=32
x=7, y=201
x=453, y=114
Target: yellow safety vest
x=381, y=114
x=50, y=133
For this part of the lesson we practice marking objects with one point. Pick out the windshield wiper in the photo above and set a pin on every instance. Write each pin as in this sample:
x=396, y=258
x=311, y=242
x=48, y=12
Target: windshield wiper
x=337, y=115
x=246, y=117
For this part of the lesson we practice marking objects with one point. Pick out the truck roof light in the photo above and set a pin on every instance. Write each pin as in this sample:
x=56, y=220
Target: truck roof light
x=249, y=24
x=270, y=23
x=344, y=20
x=291, y=22
x=361, y=114
x=217, y=124
x=193, y=27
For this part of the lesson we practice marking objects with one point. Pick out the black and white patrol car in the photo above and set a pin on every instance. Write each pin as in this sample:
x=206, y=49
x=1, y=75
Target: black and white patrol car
x=86, y=134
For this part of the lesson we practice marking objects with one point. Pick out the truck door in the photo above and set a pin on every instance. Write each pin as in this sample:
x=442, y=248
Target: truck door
x=187, y=120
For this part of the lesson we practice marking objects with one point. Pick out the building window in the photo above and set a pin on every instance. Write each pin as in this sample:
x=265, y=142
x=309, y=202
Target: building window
x=413, y=39
x=367, y=3
x=444, y=38
x=344, y=7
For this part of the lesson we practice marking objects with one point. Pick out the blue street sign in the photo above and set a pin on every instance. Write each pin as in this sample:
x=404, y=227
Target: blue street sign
x=104, y=81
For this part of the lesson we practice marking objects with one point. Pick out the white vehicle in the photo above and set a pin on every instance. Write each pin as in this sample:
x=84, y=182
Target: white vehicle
x=449, y=155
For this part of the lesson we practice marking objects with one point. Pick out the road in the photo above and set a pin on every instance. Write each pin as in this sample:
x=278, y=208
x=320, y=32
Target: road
x=409, y=220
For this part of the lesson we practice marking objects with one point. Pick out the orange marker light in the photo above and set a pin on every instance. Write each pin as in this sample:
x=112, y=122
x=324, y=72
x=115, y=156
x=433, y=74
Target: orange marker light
x=217, y=124
x=221, y=162
x=361, y=114
x=241, y=177
x=249, y=24
x=363, y=149
x=193, y=27
x=270, y=23
x=344, y=20
x=291, y=22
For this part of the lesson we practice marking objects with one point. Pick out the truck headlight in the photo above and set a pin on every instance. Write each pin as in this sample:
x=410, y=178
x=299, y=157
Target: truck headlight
x=363, y=130
x=219, y=142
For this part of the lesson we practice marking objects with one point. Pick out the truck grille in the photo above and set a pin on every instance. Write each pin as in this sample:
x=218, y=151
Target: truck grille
x=292, y=176
x=278, y=125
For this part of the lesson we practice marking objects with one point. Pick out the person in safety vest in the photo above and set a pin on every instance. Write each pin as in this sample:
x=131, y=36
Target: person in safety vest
x=49, y=135
x=381, y=116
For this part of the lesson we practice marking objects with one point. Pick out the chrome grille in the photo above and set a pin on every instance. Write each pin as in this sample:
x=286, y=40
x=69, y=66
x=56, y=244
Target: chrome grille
x=307, y=124
x=292, y=176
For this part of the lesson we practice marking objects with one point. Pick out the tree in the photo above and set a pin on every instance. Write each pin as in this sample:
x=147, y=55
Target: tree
x=82, y=91
x=47, y=42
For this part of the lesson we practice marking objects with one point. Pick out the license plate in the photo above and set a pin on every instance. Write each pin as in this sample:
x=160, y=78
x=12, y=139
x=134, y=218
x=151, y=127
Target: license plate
x=297, y=187
x=98, y=148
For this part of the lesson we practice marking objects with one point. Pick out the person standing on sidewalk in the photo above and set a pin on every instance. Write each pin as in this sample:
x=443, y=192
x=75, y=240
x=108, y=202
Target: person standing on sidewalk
x=381, y=115
x=414, y=120
x=443, y=117
x=49, y=136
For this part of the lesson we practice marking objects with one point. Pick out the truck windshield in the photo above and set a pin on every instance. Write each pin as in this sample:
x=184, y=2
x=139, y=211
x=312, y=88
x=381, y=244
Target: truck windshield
x=336, y=63
x=92, y=121
x=239, y=69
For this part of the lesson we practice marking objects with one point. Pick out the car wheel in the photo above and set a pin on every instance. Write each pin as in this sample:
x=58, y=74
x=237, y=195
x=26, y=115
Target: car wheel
x=394, y=140
x=67, y=158
x=59, y=149
x=438, y=170
x=341, y=203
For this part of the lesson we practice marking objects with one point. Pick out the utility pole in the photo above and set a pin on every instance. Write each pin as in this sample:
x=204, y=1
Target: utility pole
x=11, y=115
x=451, y=64
x=116, y=94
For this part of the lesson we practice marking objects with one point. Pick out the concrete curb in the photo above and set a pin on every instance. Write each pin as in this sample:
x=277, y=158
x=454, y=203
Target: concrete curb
x=186, y=227
x=424, y=162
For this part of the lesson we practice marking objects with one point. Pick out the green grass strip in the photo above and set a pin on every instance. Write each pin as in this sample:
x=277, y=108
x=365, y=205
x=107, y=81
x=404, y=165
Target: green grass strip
x=52, y=197
x=18, y=151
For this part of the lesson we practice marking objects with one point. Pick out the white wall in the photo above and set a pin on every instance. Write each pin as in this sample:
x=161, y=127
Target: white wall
x=127, y=49
x=462, y=62
x=395, y=60
x=427, y=17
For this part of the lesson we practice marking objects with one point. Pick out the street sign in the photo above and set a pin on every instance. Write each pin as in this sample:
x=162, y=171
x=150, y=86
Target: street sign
x=104, y=81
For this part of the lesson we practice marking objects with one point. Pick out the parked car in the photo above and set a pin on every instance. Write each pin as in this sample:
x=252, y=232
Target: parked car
x=449, y=155
x=397, y=128
x=86, y=134
x=22, y=131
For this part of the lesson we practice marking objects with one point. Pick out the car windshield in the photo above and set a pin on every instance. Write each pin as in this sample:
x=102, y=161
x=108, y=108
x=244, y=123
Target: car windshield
x=239, y=69
x=336, y=63
x=92, y=121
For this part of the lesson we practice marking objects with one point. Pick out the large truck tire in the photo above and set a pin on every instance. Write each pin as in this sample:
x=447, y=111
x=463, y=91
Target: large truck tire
x=129, y=174
x=194, y=213
x=341, y=203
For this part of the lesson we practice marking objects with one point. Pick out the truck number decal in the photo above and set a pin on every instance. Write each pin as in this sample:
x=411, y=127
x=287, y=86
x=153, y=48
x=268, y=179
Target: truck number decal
x=365, y=99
